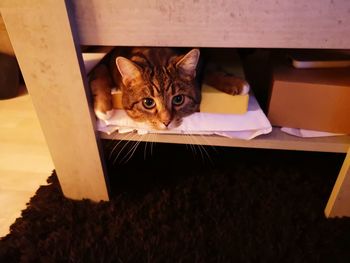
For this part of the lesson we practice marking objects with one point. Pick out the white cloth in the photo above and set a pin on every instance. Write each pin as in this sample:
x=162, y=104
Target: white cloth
x=243, y=126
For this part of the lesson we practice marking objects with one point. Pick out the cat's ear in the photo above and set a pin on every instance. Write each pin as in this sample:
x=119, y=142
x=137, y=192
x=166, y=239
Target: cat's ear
x=128, y=70
x=188, y=64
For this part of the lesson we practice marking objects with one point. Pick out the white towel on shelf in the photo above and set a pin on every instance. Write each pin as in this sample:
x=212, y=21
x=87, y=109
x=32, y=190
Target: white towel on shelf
x=243, y=126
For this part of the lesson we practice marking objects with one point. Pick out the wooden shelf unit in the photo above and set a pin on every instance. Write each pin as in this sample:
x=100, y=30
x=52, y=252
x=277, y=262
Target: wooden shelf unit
x=277, y=140
x=46, y=36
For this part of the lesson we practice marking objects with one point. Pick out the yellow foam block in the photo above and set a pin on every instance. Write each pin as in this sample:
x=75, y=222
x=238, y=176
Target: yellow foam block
x=117, y=99
x=215, y=101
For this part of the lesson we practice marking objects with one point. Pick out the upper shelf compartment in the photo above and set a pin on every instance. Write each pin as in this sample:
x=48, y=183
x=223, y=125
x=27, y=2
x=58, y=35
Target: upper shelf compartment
x=224, y=23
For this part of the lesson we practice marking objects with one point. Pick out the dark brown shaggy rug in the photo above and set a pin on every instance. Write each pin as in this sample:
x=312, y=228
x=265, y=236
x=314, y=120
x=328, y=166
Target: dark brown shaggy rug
x=243, y=205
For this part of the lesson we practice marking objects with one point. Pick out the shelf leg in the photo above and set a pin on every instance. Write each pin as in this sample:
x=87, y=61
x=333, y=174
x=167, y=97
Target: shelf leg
x=49, y=56
x=339, y=202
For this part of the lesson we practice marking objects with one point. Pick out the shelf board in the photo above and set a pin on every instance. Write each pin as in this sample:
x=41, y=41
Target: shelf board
x=240, y=23
x=275, y=140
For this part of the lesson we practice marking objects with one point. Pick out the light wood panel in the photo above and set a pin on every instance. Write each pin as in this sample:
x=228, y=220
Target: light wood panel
x=338, y=203
x=41, y=35
x=223, y=23
x=274, y=140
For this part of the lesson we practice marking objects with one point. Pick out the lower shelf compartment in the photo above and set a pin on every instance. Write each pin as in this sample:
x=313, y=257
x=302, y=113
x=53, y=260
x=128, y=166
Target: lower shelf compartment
x=275, y=140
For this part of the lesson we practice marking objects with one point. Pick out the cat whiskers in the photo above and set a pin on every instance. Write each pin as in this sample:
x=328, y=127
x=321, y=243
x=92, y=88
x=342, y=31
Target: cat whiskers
x=201, y=149
x=207, y=142
x=132, y=141
x=126, y=137
x=190, y=144
x=144, y=150
x=152, y=139
x=206, y=151
x=197, y=144
x=129, y=138
x=149, y=139
x=111, y=143
x=133, y=148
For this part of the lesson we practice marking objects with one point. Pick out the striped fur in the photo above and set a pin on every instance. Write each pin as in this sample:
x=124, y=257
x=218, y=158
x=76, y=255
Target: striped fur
x=159, y=86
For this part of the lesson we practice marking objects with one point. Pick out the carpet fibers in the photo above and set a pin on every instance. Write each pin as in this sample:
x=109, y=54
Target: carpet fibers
x=176, y=205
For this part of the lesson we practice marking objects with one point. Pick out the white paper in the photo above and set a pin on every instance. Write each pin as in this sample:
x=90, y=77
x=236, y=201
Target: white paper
x=243, y=126
x=308, y=133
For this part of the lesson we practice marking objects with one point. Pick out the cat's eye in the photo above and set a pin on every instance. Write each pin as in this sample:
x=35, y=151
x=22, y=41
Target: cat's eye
x=148, y=103
x=178, y=100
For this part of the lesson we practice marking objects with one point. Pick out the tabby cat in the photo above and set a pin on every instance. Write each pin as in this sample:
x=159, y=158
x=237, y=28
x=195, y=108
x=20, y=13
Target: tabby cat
x=159, y=85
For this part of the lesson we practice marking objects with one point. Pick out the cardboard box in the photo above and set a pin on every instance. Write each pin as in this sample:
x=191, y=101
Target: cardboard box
x=314, y=99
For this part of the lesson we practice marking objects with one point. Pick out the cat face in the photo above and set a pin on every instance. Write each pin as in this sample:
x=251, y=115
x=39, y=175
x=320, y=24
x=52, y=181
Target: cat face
x=160, y=94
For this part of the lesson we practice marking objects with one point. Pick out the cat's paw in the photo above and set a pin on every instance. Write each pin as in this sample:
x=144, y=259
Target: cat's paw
x=227, y=83
x=245, y=89
x=103, y=105
x=103, y=116
x=233, y=85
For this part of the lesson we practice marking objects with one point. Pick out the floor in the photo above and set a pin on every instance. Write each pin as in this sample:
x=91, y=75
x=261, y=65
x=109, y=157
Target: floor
x=25, y=162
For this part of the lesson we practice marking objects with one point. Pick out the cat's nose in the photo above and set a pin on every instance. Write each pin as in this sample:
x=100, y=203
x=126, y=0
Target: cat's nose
x=166, y=123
